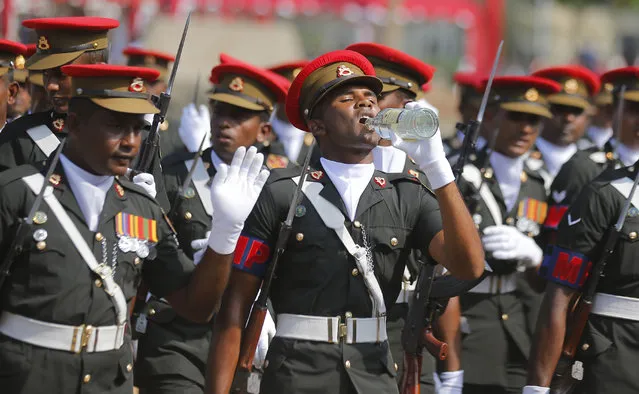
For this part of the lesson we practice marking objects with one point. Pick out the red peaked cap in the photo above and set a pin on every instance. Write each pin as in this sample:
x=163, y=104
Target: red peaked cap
x=12, y=47
x=627, y=76
x=31, y=49
x=275, y=82
x=544, y=85
x=135, y=51
x=426, y=87
x=572, y=71
x=473, y=80
x=228, y=59
x=524, y=94
x=72, y=23
x=110, y=70
x=303, y=98
x=284, y=67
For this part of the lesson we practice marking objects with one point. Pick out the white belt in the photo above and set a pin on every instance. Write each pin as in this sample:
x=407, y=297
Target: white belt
x=496, y=284
x=61, y=337
x=331, y=329
x=406, y=294
x=619, y=307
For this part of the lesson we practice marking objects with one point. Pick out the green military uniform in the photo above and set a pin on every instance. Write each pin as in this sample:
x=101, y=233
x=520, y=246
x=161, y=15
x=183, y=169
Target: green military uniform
x=609, y=347
x=50, y=282
x=496, y=333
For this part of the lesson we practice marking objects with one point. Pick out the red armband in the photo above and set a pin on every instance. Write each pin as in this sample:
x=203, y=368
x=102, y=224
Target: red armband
x=555, y=214
x=251, y=255
x=566, y=268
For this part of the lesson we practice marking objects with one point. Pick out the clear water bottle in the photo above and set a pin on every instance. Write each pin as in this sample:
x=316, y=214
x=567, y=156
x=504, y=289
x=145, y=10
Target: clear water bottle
x=408, y=124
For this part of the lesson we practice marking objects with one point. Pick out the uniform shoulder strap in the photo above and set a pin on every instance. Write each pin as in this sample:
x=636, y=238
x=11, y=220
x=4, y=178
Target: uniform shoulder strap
x=473, y=175
x=44, y=138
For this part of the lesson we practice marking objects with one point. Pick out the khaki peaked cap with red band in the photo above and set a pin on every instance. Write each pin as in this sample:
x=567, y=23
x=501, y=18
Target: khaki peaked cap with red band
x=117, y=88
x=626, y=76
x=12, y=59
x=470, y=86
x=62, y=40
x=289, y=70
x=524, y=94
x=140, y=57
x=396, y=69
x=246, y=86
x=578, y=85
x=35, y=77
x=324, y=74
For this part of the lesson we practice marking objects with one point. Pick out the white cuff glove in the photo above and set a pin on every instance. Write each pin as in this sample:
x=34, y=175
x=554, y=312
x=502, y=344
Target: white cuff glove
x=267, y=334
x=535, y=390
x=146, y=182
x=199, y=246
x=429, y=154
x=194, y=125
x=449, y=382
x=234, y=192
x=508, y=243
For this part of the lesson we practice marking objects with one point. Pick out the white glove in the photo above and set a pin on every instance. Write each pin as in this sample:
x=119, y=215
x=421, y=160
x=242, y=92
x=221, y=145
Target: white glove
x=199, y=246
x=449, y=382
x=146, y=182
x=267, y=334
x=508, y=243
x=429, y=155
x=195, y=125
x=535, y=390
x=234, y=192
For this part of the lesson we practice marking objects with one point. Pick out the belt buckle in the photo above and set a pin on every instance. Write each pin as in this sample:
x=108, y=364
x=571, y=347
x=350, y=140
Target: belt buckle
x=342, y=332
x=85, y=335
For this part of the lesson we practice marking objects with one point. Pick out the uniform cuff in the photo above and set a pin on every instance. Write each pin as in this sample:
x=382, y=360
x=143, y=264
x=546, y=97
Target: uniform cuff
x=439, y=173
x=223, y=240
x=535, y=390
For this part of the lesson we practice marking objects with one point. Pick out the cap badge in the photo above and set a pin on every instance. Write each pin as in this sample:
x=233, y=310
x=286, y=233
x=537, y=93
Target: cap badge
x=317, y=175
x=532, y=95
x=237, y=84
x=137, y=85
x=571, y=86
x=609, y=87
x=343, y=71
x=19, y=62
x=43, y=43
x=58, y=124
x=149, y=60
x=296, y=71
x=380, y=181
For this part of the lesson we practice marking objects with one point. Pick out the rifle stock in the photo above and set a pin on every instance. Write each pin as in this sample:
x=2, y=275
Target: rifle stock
x=411, y=374
x=437, y=348
x=252, y=335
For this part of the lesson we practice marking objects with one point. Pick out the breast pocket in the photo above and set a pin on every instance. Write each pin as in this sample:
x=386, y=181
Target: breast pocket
x=388, y=245
x=47, y=249
x=629, y=246
x=130, y=273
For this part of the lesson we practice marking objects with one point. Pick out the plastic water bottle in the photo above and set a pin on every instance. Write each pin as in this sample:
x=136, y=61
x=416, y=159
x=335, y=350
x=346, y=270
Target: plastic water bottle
x=408, y=124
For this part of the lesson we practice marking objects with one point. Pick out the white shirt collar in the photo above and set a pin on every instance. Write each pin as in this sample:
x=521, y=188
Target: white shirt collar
x=215, y=160
x=389, y=159
x=350, y=180
x=555, y=156
x=627, y=155
x=599, y=135
x=508, y=173
x=89, y=190
x=290, y=136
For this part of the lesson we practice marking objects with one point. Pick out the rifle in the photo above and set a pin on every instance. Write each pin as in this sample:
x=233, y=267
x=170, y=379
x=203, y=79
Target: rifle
x=471, y=130
x=150, y=148
x=258, y=313
x=25, y=225
x=196, y=91
x=563, y=382
x=417, y=332
x=187, y=180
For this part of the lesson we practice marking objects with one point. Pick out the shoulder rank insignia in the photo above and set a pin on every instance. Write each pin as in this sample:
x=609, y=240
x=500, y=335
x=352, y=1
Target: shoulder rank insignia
x=136, y=227
x=317, y=175
x=58, y=124
x=276, y=161
x=119, y=190
x=380, y=181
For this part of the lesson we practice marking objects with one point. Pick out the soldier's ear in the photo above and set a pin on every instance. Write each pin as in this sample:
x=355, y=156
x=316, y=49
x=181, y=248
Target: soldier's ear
x=316, y=127
x=12, y=93
x=265, y=131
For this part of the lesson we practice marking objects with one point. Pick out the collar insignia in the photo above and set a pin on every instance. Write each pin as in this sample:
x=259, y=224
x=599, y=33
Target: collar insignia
x=380, y=181
x=317, y=175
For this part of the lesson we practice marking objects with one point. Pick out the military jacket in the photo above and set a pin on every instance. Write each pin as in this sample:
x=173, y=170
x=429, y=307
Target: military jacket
x=609, y=345
x=50, y=281
x=493, y=323
x=317, y=276
x=17, y=147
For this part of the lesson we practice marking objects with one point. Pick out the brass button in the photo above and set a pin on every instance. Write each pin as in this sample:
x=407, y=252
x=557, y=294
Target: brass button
x=347, y=364
x=355, y=272
x=299, y=237
x=129, y=367
x=510, y=221
x=151, y=312
x=610, y=155
x=95, y=45
x=87, y=378
x=41, y=245
x=488, y=173
x=633, y=235
x=98, y=283
x=348, y=315
x=394, y=241
x=137, y=261
x=188, y=215
x=357, y=224
x=585, y=347
x=99, y=237
x=396, y=367
x=504, y=317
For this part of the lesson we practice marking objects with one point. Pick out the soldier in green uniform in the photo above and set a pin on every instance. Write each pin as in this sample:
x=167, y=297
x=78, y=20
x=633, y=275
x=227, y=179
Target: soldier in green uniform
x=608, y=349
x=72, y=40
x=63, y=325
x=172, y=354
x=586, y=165
x=571, y=109
x=507, y=201
x=11, y=57
x=331, y=307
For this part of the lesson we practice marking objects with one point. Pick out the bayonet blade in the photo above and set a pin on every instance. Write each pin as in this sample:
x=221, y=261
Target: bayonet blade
x=176, y=63
x=493, y=71
x=197, y=157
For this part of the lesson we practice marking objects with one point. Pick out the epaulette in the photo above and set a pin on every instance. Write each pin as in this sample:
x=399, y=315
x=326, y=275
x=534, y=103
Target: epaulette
x=176, y=157
x=13, y=174
x=274, y=161
x=410, y=174
x=278, y=174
